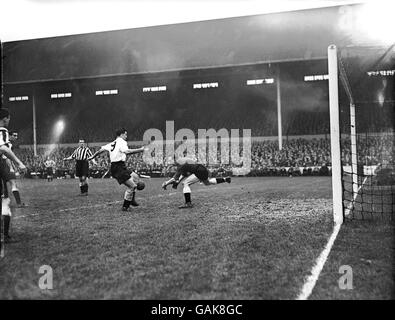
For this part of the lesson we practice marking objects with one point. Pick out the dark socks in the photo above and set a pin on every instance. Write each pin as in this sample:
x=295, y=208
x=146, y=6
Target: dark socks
x=126, y=203
x=220, y=180
x=17, y=196
x=187, y=197
x=134, y=203
x=7, y=220
x=84, y=188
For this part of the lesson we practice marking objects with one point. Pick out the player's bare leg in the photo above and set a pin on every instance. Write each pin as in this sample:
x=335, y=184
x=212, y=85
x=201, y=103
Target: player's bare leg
x=193, y=179
x=130, y=194
x=188, y=202
x=187, y=191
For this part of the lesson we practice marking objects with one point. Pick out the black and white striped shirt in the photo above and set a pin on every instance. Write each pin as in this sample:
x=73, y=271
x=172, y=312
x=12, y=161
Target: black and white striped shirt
x=4, y=137
x=4, y=140
x=81, y=153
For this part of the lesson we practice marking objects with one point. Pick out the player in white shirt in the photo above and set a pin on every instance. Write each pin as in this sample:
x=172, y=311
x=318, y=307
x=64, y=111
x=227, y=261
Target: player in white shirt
x=118, y=150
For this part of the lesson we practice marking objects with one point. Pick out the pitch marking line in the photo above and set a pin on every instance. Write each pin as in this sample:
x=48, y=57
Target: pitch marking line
x=316, y=271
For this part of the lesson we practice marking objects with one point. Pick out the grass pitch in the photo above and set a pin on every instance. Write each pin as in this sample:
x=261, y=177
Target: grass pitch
x=256, y=238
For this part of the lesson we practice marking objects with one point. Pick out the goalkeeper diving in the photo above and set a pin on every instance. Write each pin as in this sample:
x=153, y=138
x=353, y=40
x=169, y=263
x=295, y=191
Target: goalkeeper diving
x=190, y=172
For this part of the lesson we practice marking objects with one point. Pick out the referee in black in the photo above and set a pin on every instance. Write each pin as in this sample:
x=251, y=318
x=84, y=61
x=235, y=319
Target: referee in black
x=81, y=155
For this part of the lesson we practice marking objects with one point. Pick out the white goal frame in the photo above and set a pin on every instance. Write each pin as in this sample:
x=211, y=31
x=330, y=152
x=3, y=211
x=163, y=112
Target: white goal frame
x=337, y=187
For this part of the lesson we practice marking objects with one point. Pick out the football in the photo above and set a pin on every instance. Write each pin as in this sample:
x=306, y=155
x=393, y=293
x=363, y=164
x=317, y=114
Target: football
x=140, y=185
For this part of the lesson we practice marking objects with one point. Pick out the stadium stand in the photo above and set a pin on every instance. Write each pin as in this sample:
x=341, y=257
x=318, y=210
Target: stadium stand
x=298, y=157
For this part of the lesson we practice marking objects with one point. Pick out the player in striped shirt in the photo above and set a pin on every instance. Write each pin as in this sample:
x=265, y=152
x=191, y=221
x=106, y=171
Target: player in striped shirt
x=5, y=209
x=81, y=155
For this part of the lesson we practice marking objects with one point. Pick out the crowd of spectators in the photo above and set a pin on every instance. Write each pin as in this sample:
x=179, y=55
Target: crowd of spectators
x=298, y=157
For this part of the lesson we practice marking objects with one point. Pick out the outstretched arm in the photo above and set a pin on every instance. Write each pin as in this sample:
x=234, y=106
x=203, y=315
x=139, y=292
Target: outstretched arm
x=131, y=151
x=174, y=181
x=166, y=183
x=96, y=154
x=72, y=156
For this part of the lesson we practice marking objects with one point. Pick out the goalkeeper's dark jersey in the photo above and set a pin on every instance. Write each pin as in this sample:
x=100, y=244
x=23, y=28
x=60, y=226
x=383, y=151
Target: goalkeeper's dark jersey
x=187, y=169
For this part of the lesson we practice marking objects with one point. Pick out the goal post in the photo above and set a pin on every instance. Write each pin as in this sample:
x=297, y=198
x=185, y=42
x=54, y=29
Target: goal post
x=361, y=83
x=337, y=188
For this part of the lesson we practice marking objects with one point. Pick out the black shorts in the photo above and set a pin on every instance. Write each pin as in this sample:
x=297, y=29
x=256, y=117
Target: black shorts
x=5, y=171
x=120, y=172
x=49, y=171
x=202, y=173
x=82, y=168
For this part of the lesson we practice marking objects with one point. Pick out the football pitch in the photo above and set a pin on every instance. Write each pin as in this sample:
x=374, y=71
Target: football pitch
x=256, y=238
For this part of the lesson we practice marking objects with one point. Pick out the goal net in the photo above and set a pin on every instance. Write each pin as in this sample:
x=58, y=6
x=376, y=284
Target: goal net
x=362, y=93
